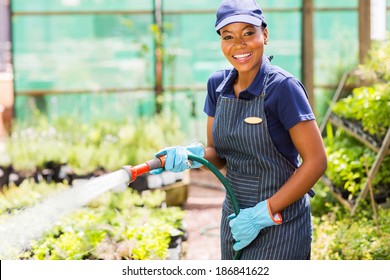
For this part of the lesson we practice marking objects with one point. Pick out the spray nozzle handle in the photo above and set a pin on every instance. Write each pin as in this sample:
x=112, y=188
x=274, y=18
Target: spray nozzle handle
x=156, y=163
x=135, y=171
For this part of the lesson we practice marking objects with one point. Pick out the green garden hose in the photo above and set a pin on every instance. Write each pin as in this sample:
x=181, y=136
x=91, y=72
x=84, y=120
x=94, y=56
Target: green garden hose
x=159, y=162
x=226, y=184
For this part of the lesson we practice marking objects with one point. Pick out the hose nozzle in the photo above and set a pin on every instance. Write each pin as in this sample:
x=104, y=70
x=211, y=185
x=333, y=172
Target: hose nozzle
x=135, y=171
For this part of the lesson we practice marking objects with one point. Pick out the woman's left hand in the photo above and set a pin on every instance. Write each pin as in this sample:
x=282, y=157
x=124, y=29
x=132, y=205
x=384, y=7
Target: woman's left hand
x=247, y=225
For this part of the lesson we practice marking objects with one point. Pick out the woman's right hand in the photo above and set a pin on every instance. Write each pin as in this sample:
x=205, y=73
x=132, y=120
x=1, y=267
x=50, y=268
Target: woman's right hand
x=177, y=158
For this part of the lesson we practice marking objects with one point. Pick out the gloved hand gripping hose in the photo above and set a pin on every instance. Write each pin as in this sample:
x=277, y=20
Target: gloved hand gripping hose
x=134, y=171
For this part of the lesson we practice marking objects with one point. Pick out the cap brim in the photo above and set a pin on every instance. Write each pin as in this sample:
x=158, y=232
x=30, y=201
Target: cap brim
x=239, y=18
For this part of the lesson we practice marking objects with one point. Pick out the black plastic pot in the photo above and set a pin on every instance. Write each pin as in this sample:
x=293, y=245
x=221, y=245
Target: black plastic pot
x=5, y=171
x=51, y=172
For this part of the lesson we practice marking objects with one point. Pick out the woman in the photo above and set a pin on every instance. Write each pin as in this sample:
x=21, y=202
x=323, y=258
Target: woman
x=259, y=124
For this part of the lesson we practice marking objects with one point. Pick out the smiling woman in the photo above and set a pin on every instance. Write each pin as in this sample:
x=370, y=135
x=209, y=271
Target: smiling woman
x=243, y=47
x=259, y=126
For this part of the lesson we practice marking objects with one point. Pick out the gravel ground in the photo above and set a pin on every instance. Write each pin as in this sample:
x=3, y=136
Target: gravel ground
x=203, y=214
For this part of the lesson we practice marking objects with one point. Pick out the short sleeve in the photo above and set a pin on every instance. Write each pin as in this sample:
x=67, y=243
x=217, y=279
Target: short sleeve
x=292, y=104
x=212, y=95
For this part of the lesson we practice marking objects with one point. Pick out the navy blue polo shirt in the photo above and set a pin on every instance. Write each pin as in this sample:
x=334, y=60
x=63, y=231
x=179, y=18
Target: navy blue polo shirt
x=286, y=102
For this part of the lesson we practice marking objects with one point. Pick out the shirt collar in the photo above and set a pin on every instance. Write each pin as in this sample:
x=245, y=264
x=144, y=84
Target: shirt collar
x=254, y=89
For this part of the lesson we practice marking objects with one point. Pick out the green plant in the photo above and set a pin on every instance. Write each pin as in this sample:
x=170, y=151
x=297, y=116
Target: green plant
x=377, y=64
x=337, y=234
x=368, y=105
x=86, y=148
x=123, y=225
x=352, y=238
x=324, y=202
x=346, y=162
x=13, y=198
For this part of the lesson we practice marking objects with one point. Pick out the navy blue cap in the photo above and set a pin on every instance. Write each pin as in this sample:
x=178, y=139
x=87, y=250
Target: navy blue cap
x=247, y=11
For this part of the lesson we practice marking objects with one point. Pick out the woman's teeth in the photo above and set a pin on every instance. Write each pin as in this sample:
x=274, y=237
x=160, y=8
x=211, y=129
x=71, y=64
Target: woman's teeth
x=241, y=56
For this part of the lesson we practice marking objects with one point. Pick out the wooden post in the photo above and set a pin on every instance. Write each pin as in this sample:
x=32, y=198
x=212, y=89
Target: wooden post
x=364, y=28
x=158, y=86
x=308, y=49
x=6, y=75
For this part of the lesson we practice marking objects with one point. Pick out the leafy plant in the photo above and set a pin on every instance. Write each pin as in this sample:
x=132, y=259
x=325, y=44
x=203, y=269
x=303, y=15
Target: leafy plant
x=368, y=105
x=338, y=235
x=116, y=225
x=324, y=202
x=352, y=238
x=346, y=162
x=13, y=198
x=377, y=65
x=86, y=148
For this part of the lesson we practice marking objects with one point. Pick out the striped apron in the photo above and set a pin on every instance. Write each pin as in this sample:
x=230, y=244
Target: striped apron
x=256, y=170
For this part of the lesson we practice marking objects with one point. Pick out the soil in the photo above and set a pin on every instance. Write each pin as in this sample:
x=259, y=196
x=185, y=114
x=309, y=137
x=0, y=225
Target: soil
x=203, y=214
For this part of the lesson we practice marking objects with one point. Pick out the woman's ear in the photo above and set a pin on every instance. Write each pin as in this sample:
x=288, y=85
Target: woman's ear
x=265, y=35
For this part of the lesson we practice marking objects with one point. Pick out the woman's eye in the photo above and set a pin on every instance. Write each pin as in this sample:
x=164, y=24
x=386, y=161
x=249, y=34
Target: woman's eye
x=228, y=37
x=249, y=33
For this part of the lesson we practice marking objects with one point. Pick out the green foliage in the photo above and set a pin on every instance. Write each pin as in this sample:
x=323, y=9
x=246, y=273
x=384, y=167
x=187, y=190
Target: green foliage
x=368, y=105
x=337, y=234
x=377, y=64
x=85, y=148
x=68, y=246
x=149, y=243
x=123, y=225
x=352, y=238
x=324, y=202
x=116, y=225
x=13, y=199
x=347, y=159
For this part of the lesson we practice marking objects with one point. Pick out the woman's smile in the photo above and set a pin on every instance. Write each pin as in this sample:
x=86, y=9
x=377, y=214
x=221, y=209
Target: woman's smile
x=242, y=57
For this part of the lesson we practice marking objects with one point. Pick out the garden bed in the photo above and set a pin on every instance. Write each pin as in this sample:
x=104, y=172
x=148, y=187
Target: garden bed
x=115, y=225
x=140, y=221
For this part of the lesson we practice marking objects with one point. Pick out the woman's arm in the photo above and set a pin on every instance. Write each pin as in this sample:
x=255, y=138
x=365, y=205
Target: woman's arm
x=308, y=141
x=210, y=153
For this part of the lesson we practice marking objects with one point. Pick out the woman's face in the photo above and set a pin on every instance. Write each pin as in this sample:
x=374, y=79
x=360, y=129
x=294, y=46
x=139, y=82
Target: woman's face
x=243, y=46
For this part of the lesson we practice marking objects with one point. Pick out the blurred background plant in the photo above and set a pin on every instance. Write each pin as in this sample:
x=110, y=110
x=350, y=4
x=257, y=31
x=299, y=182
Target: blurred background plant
x=85, y=148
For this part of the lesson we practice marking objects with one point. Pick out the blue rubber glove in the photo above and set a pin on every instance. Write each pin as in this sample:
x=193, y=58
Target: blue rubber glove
x=177, y=158
x=247, y=225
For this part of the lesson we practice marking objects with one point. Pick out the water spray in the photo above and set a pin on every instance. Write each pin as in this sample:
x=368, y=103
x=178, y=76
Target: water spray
x=18, y=230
